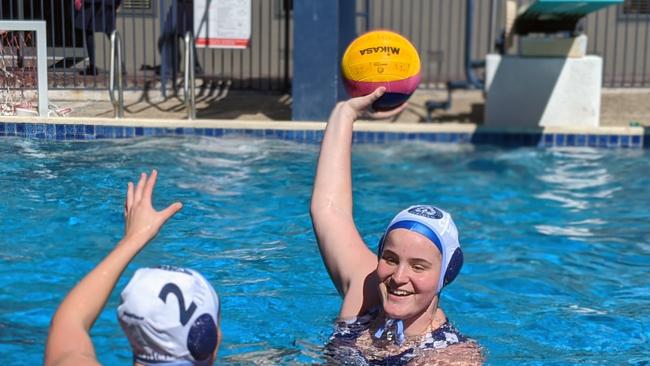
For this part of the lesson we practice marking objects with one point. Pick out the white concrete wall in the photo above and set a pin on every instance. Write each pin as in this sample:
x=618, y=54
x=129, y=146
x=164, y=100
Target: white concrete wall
x=526, y=92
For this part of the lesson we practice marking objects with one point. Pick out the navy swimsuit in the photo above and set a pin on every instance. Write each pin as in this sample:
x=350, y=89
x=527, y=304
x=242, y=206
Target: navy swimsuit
x=342, y=350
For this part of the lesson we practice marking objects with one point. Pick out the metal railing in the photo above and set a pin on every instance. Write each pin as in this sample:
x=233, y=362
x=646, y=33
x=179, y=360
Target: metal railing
x=436, y=27
x=115, y=75
x=189, y=85
x=265, y=65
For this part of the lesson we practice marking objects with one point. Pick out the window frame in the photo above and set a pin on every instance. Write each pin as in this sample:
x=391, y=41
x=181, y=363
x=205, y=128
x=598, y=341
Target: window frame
x=623, y=16
x=144, y=13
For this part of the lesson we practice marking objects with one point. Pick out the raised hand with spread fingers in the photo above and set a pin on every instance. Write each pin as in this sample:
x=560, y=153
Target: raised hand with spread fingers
x=141, y=220
x=69, y=342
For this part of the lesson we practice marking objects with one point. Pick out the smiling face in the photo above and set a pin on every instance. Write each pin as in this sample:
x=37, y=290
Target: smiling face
x=408, y=270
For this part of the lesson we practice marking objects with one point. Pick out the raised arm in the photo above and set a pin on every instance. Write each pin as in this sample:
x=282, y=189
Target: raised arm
x=349, y=262
x=69, y=342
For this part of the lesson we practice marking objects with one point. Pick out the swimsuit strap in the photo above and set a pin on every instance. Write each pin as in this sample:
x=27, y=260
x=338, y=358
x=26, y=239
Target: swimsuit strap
x=399, y=330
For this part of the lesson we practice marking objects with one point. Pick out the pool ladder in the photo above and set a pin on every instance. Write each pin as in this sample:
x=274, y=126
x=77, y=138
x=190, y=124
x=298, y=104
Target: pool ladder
x=116, y=83
x=189, y=82
x=115, y=75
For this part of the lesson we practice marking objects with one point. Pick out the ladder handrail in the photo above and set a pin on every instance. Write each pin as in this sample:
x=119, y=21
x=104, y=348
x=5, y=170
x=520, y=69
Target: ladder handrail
x=116, y=69
x=189, y=80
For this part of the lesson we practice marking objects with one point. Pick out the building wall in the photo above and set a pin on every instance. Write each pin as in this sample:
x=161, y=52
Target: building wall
x=261, y=66
x=436, y=27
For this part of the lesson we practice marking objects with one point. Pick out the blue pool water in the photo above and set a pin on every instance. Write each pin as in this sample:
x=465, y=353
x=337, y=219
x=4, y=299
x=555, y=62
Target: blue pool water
x=557, y=242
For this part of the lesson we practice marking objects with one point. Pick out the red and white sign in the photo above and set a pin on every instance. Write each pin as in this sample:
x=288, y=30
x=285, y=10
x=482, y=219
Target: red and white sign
x=222, y=23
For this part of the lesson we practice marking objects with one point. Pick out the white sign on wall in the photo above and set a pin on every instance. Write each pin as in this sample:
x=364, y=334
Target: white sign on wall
x=222, y=23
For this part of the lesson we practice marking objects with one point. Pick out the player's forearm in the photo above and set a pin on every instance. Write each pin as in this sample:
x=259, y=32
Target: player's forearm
x=87, y=299
x=333, y=181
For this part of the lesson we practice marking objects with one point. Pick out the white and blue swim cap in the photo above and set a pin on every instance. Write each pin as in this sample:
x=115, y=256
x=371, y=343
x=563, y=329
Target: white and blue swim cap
x=170, y=316
x=437, y=226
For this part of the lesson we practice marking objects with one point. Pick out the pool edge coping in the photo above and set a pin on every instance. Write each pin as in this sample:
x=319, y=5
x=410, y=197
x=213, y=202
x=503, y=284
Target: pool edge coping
x=361, y=125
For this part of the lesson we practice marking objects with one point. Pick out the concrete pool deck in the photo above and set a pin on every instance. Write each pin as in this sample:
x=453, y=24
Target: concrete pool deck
x=625, y=116
x=619, y=107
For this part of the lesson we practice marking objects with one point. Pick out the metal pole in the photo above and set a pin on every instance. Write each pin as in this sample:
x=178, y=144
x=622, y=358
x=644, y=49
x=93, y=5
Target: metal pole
x=189, y=81
x=472, y=79
x=367, y=15
x=21, y=11
x=493, y=21
x=41, y=68
x=288, y=7
x=116, y=68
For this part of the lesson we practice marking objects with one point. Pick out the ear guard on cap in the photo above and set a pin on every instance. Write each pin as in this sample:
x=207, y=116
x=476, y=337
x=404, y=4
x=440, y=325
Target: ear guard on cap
x=453, y=267
x=202, y=338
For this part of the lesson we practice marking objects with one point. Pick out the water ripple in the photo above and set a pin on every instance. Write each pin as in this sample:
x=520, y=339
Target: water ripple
x=556, y=241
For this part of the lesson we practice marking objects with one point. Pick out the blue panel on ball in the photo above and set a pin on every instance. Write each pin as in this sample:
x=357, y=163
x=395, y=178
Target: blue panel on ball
x=390, y=101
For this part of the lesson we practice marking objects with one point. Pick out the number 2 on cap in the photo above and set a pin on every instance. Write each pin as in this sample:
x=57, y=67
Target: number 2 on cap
x=185, y=314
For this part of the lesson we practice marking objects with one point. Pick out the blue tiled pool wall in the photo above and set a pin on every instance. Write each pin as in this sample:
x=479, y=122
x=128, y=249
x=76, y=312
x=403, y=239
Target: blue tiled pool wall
x=71, y=132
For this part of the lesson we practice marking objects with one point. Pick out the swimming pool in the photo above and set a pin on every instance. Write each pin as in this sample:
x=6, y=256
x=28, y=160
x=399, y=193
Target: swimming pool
x=557, y=241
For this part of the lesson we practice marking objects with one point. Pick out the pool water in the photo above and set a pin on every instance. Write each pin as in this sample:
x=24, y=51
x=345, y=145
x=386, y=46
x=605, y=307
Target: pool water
x=557, y=242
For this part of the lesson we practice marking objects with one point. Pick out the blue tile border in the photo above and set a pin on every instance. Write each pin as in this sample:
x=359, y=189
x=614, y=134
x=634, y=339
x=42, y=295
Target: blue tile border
x=81, y=132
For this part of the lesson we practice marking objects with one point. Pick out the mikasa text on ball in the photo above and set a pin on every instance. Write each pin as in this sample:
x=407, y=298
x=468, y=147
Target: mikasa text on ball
x=381, y=58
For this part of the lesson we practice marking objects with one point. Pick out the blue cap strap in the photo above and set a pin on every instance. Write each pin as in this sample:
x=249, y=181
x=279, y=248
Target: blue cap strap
x=415, y=226
x=380, y=331
x=400, y=332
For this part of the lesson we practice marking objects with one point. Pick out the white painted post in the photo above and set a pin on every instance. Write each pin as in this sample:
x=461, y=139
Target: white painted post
x=38, y=27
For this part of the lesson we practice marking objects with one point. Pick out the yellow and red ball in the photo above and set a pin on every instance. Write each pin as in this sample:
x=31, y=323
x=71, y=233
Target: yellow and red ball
x=381, y=58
